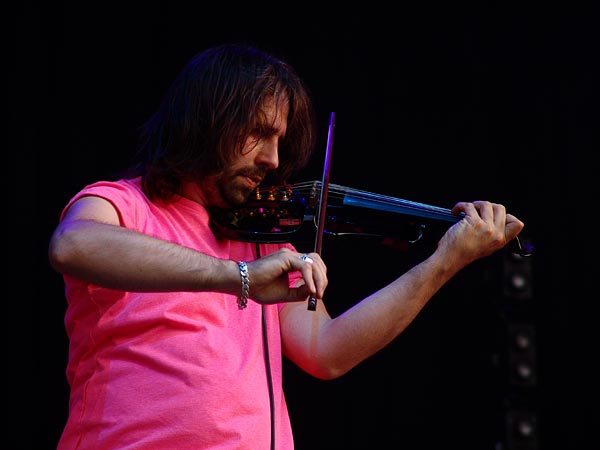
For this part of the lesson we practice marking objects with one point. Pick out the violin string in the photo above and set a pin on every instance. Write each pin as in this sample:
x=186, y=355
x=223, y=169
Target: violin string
x=385, y=199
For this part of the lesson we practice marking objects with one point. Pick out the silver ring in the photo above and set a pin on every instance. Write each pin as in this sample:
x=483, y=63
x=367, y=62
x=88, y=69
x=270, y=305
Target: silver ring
x=306, y=258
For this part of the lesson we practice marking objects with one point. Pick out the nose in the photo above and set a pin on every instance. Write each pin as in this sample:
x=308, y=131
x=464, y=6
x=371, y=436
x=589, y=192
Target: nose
x=268, y=155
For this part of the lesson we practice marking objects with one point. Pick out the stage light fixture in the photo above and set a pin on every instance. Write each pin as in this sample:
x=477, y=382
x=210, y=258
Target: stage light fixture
x=522, y=354
x=522, y=432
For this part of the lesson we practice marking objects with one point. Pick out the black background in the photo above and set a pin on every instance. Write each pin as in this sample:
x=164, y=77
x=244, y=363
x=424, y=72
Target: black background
x=432, y=104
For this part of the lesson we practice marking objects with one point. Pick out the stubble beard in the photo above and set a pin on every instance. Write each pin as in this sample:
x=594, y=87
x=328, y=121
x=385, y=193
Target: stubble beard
x=232, y=190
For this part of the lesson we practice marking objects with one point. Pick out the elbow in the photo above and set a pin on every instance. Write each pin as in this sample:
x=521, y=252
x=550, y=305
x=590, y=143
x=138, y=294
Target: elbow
x=330, y=374
x=61, y=251
x=327, y=370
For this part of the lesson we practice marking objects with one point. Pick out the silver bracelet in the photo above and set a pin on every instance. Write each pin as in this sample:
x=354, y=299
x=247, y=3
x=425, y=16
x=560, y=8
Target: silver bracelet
x=242, y=300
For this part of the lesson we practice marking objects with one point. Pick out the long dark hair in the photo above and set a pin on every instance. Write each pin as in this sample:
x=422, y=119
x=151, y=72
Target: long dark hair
x=209, y=111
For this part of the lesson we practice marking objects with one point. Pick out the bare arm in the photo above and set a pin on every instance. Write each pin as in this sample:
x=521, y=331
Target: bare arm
x=91, y=245
x=328, y=348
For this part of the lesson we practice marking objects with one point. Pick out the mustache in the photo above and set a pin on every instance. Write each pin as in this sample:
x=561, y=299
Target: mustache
x=258, y=172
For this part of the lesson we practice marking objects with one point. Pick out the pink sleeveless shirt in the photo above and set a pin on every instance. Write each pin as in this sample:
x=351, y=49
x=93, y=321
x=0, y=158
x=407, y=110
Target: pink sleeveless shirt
x=171, y=371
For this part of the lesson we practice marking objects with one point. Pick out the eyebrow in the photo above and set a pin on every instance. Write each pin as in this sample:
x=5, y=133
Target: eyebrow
x=266, y=129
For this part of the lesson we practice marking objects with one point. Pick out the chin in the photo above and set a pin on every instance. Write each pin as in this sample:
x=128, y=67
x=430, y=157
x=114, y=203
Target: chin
x=234, y=200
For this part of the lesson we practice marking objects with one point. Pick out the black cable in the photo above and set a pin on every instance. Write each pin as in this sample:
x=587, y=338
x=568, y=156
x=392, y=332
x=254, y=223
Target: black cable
x=268, y=366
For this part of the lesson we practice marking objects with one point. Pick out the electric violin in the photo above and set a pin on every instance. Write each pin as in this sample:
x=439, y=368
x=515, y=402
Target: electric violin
x=281, y=213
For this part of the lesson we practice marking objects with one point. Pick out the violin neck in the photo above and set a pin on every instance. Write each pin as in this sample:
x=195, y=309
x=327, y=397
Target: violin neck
x=371, y=200
x=401, y=207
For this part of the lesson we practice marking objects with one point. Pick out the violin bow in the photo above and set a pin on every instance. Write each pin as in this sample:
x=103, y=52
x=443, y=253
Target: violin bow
x=312, y=301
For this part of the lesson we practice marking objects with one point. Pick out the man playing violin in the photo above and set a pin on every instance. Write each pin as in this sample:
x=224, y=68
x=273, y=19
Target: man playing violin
x=176, y=333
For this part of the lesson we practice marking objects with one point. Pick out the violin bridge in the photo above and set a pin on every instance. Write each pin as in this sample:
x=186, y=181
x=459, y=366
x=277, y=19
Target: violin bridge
x=314, y=194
